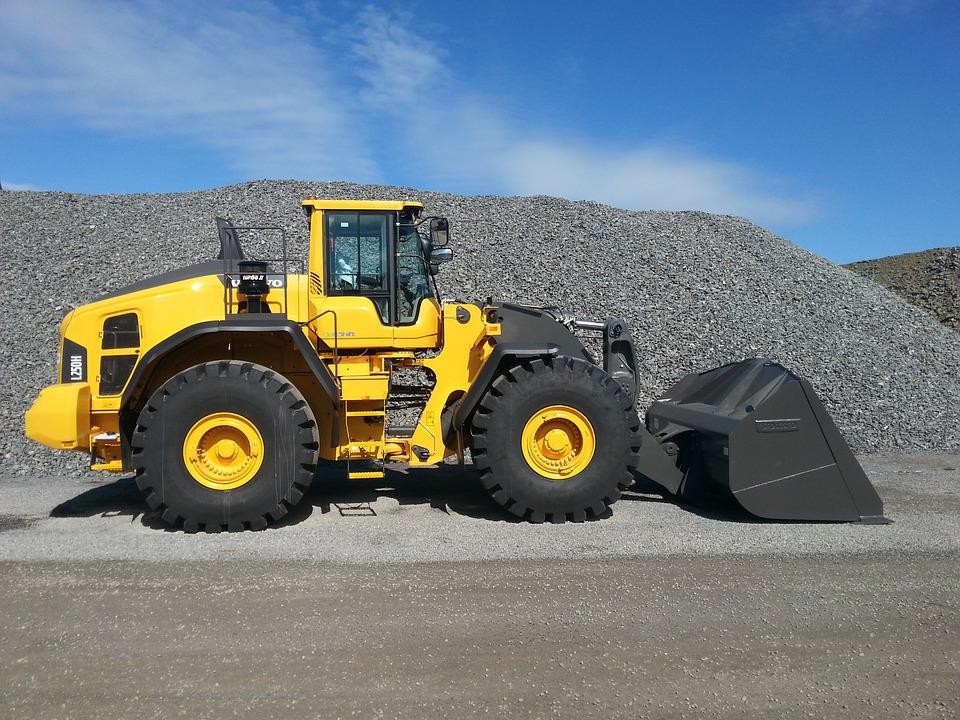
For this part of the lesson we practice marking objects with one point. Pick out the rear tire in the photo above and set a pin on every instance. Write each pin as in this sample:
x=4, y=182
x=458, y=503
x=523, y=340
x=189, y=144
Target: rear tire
x=237, y=479
x=602, y=440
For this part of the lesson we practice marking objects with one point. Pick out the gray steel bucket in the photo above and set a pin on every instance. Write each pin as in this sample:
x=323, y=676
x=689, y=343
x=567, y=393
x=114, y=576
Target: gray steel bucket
x=760, y=432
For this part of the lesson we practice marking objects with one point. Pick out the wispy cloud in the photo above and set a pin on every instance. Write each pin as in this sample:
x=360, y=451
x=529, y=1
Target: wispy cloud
x=259, y=85
x=7, y=185
x=395, y=64
x=851, y=17
x=649, y=176
x=464, y=142
x=243, y=78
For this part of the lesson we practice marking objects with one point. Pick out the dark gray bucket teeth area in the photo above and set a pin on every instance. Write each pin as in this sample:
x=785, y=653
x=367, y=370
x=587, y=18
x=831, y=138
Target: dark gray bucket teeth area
x=759, y=432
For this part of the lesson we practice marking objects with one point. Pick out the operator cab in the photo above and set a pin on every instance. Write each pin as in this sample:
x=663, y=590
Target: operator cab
x=372, y=266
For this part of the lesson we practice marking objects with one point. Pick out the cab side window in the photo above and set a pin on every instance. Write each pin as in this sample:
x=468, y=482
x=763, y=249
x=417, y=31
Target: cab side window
x=357, y=262
x=413, y=282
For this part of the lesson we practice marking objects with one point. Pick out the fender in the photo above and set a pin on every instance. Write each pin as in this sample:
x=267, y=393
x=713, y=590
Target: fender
x=501, y=353
x=525, y=332
x=234, y=325
x=533, y=332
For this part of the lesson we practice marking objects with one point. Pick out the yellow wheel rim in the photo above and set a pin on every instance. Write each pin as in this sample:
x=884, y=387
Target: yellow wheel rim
x=558, y=442
x=223, y=451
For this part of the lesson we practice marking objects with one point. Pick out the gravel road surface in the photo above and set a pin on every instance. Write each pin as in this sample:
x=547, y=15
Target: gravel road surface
x=443, y=515
x=846, y=636
x=425, y=601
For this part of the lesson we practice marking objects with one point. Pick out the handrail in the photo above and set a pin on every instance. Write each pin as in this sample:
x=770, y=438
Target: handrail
x=284, y=260
x=231, y=278
x=336, y=338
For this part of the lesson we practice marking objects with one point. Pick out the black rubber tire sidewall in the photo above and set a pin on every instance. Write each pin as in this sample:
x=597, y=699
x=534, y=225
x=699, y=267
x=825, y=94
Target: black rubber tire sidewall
x=523, y=392
x=257, y=394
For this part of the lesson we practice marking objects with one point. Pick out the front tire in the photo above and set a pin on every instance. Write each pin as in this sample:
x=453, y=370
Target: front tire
x=224, y=445
x=555, y=439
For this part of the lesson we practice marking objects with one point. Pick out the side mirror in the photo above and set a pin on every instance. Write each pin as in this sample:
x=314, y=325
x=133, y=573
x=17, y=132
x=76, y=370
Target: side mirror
x=439, y=232
x=438, y=256
x=441, y=255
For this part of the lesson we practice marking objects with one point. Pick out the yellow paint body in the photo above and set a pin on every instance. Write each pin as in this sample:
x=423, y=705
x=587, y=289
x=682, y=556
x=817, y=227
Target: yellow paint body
x=346, y=331
x=60, y=416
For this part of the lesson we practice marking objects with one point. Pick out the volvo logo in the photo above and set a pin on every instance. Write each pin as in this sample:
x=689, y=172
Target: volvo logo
x=274, y=281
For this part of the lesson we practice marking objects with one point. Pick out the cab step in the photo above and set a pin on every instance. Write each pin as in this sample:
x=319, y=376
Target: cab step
x=401, y=431
x=365, y=469
x=365, y=475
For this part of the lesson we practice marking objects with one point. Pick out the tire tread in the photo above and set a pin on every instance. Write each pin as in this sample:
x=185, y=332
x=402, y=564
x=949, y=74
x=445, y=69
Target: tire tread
x=510, y=383
x=293, y=402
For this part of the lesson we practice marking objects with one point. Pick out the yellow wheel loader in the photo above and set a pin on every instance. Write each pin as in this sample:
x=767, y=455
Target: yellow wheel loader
x=222, y=386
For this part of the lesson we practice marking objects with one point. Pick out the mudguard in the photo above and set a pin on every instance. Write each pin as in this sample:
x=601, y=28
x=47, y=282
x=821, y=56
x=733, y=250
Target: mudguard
x=524, y=332
x=243, y=324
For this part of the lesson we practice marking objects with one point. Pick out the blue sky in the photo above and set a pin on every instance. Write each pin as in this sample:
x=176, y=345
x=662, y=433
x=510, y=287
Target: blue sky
x=832, y=123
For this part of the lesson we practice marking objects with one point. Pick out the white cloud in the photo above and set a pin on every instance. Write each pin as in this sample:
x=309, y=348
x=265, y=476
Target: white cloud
x=463, y=142
x=250, y=80
x=7, y=185
x=243, y=78
x=648, y=176
x=395, y=64
x=851, y=17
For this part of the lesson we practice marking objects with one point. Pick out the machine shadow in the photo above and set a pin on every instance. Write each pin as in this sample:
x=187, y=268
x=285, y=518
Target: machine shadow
x=123, y=498
x=452, y=489
x=447, y=488
x=118, y=498
x=700, y=501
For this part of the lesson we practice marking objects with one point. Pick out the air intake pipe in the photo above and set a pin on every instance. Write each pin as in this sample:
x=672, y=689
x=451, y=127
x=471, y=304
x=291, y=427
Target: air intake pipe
x=253, y=287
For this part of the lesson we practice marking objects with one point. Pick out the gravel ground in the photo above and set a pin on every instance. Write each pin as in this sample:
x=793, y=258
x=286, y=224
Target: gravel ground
x=426, y=601
x=929, y=279
x=698, y=289
x=713, y=636
x=444, y=515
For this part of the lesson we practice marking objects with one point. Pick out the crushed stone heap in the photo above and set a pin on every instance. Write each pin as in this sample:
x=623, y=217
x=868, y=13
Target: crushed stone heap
x=698, y=289
x=929, y=279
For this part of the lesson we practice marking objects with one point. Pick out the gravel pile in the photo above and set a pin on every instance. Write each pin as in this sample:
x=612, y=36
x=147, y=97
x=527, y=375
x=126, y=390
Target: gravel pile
x=928, y=279
x=698, y=289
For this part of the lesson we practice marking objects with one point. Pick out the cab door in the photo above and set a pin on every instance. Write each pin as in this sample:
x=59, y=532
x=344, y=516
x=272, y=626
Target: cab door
x=417, y=315
x=359, y=279
x=377, y=283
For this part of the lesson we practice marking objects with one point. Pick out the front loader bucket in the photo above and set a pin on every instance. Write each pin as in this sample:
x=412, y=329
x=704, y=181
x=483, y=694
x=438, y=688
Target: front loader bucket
x=759, y=431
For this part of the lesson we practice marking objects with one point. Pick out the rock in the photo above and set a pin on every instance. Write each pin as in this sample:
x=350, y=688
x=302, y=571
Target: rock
x=698, y=289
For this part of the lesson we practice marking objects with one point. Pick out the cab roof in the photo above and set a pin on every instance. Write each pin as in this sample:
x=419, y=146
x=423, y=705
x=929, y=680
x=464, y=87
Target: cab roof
x=396, y=205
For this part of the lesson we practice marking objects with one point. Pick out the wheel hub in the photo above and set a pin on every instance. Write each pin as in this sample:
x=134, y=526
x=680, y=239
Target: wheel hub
x=223, y=451
x=227, y=449
x=558, y=442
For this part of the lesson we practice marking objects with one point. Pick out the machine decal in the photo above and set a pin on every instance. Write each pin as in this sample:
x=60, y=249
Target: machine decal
x=778, y=426
x=273, y=280
x=74, y=364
